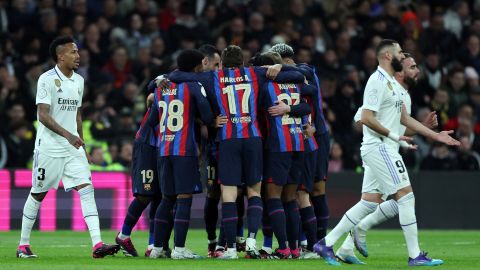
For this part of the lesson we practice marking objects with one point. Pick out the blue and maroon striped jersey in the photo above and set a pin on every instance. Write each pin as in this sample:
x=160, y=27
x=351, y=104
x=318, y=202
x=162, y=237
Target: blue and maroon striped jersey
x=285, y=132
x=318, y=119
x=175, y=111
x=235, y=93
x=146, y=133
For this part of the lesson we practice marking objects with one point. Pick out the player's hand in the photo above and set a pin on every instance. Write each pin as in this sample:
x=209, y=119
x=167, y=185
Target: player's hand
x=272, y=71
x=405, y=139
x=150, y=99
x=431, y=121
x=220, y=121
x=408, y=146
x=308, y=131
x=162, y=83
x=280, y=109
x=75, y=141
x=445, y=138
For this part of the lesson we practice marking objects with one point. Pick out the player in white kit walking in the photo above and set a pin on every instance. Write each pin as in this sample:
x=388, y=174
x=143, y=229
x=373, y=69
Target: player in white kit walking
x=407, y=78
x=383, y=114
x=59, y=152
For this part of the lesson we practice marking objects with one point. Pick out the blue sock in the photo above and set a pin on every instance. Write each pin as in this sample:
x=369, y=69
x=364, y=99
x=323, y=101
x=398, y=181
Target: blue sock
x=221, y=236
x=266, y=229
x=151, y=215
x=210, y=215
x=241, y=213
x=293, y=223
x=322, y=213
x=229, y=219
x=182, y=221
x=309, y=225
x=134, y=212
x=276, y=214
x=254, y=216
x=162, y=222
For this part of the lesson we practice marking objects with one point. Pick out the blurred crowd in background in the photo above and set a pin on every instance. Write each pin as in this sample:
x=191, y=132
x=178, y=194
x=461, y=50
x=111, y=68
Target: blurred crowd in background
x=123, y=44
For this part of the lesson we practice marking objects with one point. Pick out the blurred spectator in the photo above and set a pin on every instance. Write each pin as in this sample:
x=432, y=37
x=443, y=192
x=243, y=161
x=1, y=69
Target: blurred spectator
x=441, y=158
x=335, y=164
x=119, y=66
x=124, y=157
x=20, y=142
x=437, y=35
x=467, y=159
x=465, y=129
x=456, y=88
x=457, y=17
x=470, y=54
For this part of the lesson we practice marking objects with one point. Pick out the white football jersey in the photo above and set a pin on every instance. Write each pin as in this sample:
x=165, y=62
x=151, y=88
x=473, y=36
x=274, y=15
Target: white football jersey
x=383, y=96
x=64, y=95
x=405, y=96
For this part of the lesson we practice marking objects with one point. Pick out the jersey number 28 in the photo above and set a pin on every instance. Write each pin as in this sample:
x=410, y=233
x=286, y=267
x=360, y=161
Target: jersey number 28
x=175, y=115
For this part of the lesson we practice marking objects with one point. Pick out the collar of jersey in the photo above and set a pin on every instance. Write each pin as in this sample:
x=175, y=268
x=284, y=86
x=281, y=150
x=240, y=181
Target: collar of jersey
x=61, y=75
x=386, y=75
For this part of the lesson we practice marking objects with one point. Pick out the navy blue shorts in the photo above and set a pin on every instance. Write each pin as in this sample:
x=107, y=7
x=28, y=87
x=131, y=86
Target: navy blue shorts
x=144, y=170
x=179, y=175
x=323, y=155
x=308, y=172
x=283, y=168
x=240, y=161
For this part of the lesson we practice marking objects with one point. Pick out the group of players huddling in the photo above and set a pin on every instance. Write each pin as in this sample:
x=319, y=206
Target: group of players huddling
x=257, y=131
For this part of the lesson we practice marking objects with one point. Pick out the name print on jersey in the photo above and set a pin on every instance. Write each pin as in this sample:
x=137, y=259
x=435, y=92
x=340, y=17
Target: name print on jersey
x=68, y=104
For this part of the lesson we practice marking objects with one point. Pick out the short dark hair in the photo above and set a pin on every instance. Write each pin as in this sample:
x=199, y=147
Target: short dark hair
x=266, y=59
x=188, y=59
x=209, y=50
x=232, y=56
x=383, y=44
x=59, y=41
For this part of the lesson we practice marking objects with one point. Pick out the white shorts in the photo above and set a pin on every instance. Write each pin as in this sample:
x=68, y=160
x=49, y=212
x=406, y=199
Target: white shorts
x=385, y=171
x=47, y=171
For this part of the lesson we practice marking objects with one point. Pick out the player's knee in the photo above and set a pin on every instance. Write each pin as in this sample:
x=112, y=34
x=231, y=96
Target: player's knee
x=39, y=196
x=303, y=199
x=319, y=188
x=274, y=191
x=144, y=199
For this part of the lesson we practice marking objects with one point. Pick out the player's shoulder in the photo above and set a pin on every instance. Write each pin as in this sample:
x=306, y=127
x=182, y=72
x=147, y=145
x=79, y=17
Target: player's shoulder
x=377, y=78
x=48, y=74
x=78, y=77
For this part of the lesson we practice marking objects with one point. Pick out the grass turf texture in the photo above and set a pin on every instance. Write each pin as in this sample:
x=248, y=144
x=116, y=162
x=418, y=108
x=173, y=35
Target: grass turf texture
x=72, y=250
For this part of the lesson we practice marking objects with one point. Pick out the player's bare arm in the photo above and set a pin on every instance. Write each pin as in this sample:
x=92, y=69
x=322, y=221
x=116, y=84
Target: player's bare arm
x=430, y=122
x=368, y=119
x=50, y=123
x=416, y=126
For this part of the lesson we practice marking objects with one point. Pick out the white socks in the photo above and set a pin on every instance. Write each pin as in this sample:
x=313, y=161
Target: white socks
x=408, y=222
x=30, y=211
x=90, y=214
x=347, y=246
x=351, y=218
x=385, y=211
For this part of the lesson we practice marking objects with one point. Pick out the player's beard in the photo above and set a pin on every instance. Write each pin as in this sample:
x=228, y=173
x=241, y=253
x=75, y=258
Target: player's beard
x=410, y=82
x=396, y=65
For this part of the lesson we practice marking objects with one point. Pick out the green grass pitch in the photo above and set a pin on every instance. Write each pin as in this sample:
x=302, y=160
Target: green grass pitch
x=71, y=250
